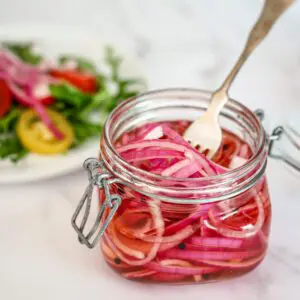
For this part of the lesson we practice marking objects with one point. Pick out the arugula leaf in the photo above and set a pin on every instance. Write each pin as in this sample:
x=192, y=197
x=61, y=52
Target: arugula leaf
x=84, y=130
x=101, y=100
x=69, y=94
x=114, y=61
x=83, y=63
x=24, y=51
x=10, y=145
x=8, y=121
x=11, y=148
x=71, y=100
x=77, y=106
x=126, y=88
x=100, y=79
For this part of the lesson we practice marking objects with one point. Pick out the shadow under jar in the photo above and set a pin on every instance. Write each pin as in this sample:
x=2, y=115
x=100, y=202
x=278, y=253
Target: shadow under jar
x=184, y=230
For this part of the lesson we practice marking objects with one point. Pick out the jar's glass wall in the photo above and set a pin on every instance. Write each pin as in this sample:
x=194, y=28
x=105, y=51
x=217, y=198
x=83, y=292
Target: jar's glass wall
x=155, y=241
x=172, y=105
x=218, y=230
x=181, y=104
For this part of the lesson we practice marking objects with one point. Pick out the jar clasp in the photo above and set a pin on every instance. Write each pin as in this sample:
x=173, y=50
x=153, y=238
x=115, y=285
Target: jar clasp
x=287, y=155
x=102, y=179
x=289, y=152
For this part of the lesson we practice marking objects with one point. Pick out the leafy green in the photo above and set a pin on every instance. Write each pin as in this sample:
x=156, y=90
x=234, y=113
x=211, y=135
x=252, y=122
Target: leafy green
x=7, y=122
x=126, y=88
x=96, y=102
x=85, y=130
x=79, y=108
x=78, y=112
x=114, y=61
x=24, y=51
x=69, y=95
x=11, y=148
x=83, y=64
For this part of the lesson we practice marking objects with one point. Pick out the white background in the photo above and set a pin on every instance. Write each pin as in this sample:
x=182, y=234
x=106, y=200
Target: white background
x=181, y=43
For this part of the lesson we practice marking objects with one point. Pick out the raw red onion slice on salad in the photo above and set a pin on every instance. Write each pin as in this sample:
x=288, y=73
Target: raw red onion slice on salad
x=25, y=82
x=37, y=106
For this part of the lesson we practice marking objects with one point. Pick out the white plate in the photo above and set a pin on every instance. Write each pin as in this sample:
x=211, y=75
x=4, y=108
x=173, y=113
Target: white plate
x=55, y=40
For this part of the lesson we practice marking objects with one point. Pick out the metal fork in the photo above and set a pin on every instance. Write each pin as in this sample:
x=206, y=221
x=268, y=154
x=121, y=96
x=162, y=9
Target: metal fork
x=206, y=132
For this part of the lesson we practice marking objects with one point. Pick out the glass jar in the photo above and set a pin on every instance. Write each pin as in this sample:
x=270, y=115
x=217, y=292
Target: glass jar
x=175, y=230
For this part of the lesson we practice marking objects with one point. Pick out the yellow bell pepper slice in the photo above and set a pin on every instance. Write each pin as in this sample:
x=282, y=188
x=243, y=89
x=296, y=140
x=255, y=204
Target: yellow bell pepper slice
x=36, y=137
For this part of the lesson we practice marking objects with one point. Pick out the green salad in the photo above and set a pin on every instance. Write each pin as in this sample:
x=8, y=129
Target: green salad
x=49, y=108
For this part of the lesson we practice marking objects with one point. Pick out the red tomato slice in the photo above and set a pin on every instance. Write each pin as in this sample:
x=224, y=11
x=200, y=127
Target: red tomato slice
x=5, y=98
x=85, y=82
x=47, y=100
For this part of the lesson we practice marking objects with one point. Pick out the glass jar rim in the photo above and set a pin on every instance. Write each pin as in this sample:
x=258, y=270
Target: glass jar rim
x=231, y=175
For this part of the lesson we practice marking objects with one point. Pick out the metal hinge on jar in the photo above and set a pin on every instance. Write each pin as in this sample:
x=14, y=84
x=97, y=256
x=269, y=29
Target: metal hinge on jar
x=291, y=152
x=98, y=177
x=288, y=141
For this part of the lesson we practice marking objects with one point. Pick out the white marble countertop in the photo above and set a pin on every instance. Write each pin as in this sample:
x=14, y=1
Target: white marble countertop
x=182, y=43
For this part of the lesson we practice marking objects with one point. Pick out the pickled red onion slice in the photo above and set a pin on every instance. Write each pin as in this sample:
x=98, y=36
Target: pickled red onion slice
x=139, y=274
x=216, y=242
x=151, y=252
x=177, y=266
x=194, y=240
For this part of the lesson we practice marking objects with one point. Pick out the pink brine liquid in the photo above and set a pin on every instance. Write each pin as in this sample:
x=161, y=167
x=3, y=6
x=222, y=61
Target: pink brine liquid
x=155, y=241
